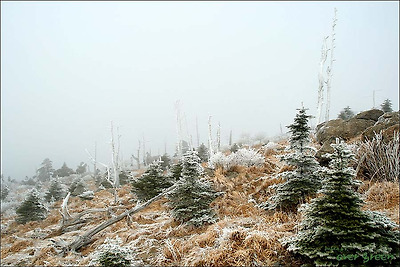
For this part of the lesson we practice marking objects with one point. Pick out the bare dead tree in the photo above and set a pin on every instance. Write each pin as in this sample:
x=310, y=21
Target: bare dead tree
x=178, y=128
x=329, y=69
x=219, y=137
x=87, y=237
x=72, y=223
x=144, y=152
x=188, y=136
x=210, y=142
x=104, y=165
x=321, y=79
x=115, y=158
x=137, y=158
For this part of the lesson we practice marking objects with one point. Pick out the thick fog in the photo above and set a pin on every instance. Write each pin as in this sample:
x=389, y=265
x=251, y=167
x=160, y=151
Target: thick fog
x=70, y=68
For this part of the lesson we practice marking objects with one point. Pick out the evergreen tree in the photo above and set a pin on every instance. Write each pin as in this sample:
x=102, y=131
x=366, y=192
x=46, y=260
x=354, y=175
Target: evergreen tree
x=151, y=183
x=4, y=189
x=77, y=187
x=387, y=106
x=203, y=152
x=346, y=114
x=165, y=161
x=334, y=224
x=55, y=191
x=302, y=181
x=123, y=177
x=102, y=182
x=176, y=171
x=234, y=148
x=81, y=169
x=45, y=171
x=190, y=201
x=63, y=171
x=31, y=209
x=29, y=181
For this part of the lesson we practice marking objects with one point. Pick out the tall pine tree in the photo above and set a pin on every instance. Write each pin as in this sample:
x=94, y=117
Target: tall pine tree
x=190, y=201
x=31, y=209
x=335, y=227
x=302, y=181
x=151, y=183
x=45, y=171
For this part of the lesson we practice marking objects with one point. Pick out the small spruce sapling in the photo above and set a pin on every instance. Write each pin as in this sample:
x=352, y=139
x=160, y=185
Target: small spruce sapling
x=346, y=114
x=55, y=191
x=151, y=183
x=334, y=224
x=32, y=208
x=302, y=181
x=78, y=186
x=387, y=106
x=112, y=254
x=190, y=201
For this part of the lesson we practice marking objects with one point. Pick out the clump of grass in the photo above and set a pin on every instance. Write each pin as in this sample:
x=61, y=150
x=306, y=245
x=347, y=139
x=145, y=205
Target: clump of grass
x=379, y=159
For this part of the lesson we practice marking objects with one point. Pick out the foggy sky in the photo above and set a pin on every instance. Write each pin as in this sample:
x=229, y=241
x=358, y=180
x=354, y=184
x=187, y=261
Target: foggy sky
x=69, y=68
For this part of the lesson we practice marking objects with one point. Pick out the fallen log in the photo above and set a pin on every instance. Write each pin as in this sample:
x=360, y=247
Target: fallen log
x=86, y=238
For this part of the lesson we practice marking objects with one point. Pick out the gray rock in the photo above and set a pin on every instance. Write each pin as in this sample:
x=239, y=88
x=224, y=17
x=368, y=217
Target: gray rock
x=388, y=123
x=372, y=114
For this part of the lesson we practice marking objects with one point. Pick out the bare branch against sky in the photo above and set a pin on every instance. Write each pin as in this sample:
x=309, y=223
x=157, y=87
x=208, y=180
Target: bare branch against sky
x=69, y=68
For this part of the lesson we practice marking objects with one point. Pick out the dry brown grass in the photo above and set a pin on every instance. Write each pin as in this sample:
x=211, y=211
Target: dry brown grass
x=17, y=246
x=45, y=254
x=381, y=196
x=231, y=242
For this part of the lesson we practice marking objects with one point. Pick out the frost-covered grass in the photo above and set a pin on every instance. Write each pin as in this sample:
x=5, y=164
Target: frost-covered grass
x=379, y=159
x=246, y=157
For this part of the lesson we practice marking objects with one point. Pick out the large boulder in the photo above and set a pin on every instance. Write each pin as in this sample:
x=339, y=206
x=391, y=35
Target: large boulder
x=387, y=124
x=327, y=132
x=373, y=114
x=343, y=129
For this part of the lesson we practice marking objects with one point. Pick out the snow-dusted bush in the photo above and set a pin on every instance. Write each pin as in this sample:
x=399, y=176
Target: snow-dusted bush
x=112, y=254
x=218, y=160
x=246, y=157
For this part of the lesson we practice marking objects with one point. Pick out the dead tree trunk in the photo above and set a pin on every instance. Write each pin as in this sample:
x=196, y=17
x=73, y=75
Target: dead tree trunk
x=86, y=238
x=210, y=142
x=329, y=70
x=70, y=223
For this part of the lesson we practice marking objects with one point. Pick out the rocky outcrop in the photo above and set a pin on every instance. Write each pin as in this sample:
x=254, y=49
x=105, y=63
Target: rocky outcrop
x=365, y=124
x=347, y=129
x=388, y=124
x=373, y=115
